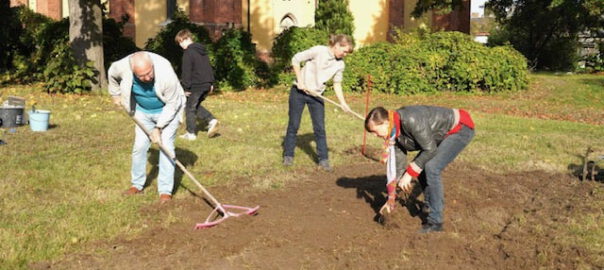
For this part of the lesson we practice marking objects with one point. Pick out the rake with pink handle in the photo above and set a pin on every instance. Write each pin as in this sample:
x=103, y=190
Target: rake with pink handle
x=219, y=209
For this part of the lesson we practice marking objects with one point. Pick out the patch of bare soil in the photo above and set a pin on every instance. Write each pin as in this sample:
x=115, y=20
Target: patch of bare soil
x=330, y=220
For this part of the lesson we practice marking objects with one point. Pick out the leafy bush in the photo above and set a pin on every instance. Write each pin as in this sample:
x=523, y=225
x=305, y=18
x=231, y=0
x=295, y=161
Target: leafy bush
x=29, y=65
x=294, y=40
x=439, y=61
x=393, y=68
x=290, y=42
x=115, y=45
x=594, y=62
x=163, y=43
x=17, y=36
x=62, y=73
x=9, y=35
x=41, y=40
x=236, y=65
x=334, y=17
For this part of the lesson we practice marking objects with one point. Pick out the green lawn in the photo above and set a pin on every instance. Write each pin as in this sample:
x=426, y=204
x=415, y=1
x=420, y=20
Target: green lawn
x=62, y=188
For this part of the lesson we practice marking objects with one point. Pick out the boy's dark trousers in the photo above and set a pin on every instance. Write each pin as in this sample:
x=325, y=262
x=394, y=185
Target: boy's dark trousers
x=297, y=100
x=194, y=108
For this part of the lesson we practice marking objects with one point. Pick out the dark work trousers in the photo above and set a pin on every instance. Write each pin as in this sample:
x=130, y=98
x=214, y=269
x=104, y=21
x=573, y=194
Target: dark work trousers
x=194, y=108
x=430, y=179
x=297, y=100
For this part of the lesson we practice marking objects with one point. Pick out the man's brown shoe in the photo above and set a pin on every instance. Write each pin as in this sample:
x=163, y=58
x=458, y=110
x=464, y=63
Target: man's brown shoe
x=164, y=198
x=132, y=191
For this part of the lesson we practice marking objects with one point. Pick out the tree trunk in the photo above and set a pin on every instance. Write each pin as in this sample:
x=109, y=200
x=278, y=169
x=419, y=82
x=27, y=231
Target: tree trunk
x=86, y=37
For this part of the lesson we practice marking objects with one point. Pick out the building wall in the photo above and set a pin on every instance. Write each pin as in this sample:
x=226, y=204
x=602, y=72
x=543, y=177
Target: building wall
x=65, y=8
x=183, y=5
x=414, y=23
x=264, y=18
x=149, y=15
x=50, y=8
x=18, y=2
x=303, y=12
x=457, y=20
x=371, y=20
x=119, y=8
x=216, y=15
x=261, y=23
x=374, y=20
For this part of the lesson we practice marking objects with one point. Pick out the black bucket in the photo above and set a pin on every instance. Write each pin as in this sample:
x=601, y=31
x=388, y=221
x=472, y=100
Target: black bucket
x=11, y=117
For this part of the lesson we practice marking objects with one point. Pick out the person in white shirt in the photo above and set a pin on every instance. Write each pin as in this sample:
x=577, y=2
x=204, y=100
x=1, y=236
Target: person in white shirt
x=322, y=63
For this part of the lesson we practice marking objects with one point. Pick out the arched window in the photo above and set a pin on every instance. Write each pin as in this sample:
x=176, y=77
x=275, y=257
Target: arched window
x=288, y=21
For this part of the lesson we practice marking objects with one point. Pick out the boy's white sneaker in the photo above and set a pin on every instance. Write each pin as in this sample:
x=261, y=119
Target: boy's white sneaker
x=212, y=128
x=188, y=136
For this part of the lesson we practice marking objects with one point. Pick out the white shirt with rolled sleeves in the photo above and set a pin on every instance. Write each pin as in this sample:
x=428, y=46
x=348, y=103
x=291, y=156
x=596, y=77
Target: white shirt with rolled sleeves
x=167, y=87
x=321, y=65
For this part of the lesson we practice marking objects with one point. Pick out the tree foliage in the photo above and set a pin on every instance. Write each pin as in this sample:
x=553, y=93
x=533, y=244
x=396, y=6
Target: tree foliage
x=333, y=16
x=546, y=31
x=444, y=6
x=40, y=51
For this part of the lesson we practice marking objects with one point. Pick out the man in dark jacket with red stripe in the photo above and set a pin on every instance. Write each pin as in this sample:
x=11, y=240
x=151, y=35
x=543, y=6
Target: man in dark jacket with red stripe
x=440, y=134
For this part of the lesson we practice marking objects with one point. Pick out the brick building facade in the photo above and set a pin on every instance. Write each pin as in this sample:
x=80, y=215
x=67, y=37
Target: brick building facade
x=147, y=17
x=50, y=8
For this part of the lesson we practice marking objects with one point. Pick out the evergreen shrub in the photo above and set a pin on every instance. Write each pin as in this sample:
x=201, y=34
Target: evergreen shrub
x=236, y=66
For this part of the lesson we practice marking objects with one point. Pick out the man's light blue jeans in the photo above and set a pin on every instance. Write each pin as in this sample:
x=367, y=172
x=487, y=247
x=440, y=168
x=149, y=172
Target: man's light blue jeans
x=165, y=178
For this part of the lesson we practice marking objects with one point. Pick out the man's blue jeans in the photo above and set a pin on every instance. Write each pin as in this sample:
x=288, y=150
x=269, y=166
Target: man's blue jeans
x=165, y=178
x=297, y=100
x=446, y=152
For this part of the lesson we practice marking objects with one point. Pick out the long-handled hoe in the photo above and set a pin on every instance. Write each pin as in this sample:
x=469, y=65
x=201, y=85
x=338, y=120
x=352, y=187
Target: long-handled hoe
x=339, y=106
x=219, y=209
x=357, y=116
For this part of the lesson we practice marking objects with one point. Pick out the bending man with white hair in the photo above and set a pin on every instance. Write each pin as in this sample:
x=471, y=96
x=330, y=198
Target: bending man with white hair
x=147, y=86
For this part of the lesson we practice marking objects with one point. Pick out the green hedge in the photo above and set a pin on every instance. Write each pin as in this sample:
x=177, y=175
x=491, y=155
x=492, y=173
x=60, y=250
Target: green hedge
x=237, y=67
x=63, y=74
x=435, y=62
x=290, y=42
x=294, y=40
x=233, y=55
x=41, y=52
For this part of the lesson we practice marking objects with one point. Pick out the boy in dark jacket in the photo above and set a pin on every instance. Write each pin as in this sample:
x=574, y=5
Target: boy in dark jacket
x=197, y=77
x=439, y=134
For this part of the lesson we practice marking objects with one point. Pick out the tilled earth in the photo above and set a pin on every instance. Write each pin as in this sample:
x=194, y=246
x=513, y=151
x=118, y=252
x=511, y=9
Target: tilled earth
x=330, y=221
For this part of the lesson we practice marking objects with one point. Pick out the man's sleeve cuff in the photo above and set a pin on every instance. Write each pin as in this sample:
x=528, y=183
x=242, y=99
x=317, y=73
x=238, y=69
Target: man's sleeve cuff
x=413, y=170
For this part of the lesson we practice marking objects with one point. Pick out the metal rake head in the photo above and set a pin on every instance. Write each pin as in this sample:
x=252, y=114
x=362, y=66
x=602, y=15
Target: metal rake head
x=223, y=209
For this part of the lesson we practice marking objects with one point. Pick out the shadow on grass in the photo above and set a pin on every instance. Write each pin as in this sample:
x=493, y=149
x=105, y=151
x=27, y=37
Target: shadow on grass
x=373, y=190
x=303, y=142
x=185, y=157
x=593, y=171
x=595, y=81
